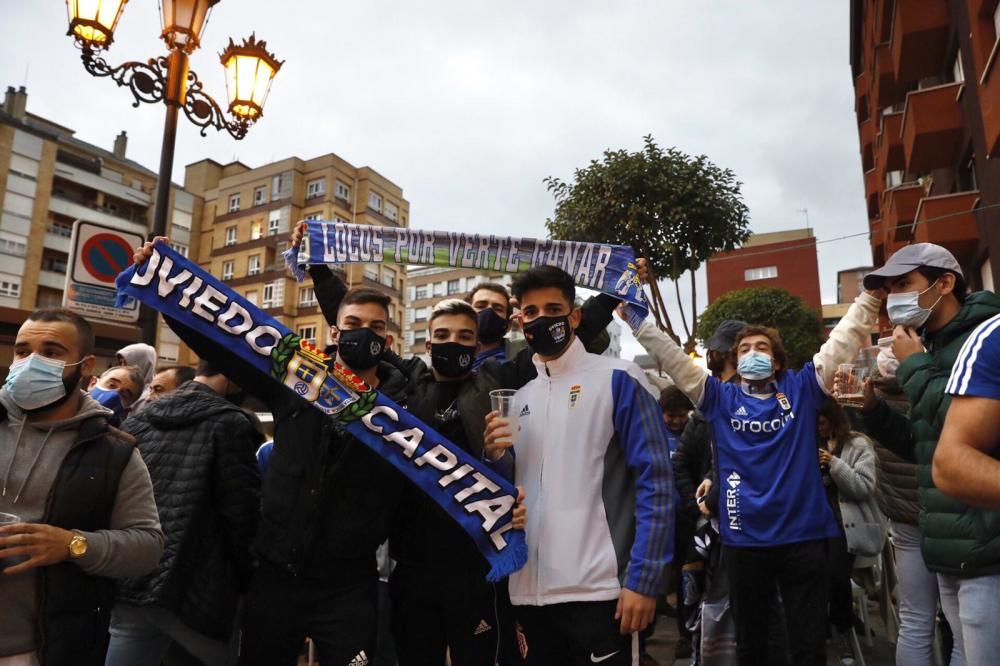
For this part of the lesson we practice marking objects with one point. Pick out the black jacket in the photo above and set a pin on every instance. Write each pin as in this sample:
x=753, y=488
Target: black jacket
x=199, y=449
x=327, y=499
x=692, y=463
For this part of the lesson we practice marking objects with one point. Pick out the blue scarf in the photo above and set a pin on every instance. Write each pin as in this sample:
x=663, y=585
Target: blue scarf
x=475, y=496
x=606, y=268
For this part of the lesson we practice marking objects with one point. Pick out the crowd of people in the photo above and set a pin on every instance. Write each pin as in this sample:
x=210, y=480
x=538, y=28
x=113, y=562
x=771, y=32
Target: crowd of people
x=144, y=520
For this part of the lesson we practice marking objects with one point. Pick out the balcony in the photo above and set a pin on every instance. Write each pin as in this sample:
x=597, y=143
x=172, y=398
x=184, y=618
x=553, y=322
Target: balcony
x=866, y=135
x=949, y=220
x=919, y=38
x=873, y=192
x=877, y=239
x=883, y=19
x=932, y=127
x=862, y=104
x=73, y=210
x=899, y=210
x=886, y=91
x=890, y=145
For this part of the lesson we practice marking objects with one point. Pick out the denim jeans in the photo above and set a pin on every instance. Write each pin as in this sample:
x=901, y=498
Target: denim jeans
x=918, y=600
x=977, y=602
x=140, y=636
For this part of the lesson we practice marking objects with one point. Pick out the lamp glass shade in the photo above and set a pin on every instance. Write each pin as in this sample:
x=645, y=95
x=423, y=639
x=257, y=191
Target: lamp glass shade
x=93, y=22
x=249, y=72
x=184, y=21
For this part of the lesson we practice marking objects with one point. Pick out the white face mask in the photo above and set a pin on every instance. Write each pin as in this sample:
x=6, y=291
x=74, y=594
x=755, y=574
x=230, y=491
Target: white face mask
x=904, y=309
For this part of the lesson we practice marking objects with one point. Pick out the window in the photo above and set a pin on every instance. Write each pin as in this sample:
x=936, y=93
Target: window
x=10, y=288
x=252, y=296
x=893, y=178
x=388, y=278
x=258, y=196
x=957, y=74
x=765, y=273
x=253, y=264
x=313, y=216
x=440, y=288
x=419, y=338
x=453, y=286
x=420, y=314
x=342, y=191
x=274, y=294
x=308, y=333
x=255, y=231
x=64, y=229
x=274, y=223
x=13, y=247
x=371, y=273
x=276, y=187
x=423, y=291
x=375, y=201
x=315, y=188
x=996, y=21
x=391, y=211
x=230, y=236
x=180, y=249
x=234, y=202
x=307, y=297
x=227, y=270
x=55, y=261
x=339, y=220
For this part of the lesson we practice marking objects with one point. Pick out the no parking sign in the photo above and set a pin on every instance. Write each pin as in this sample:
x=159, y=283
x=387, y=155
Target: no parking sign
x=97, y=255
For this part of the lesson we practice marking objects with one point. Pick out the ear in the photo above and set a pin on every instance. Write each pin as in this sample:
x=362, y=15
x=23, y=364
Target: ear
x=87, y=367
x=947, y=282
x=427, y=346
x=388, y=341
x=334, y=334
x=575, y=317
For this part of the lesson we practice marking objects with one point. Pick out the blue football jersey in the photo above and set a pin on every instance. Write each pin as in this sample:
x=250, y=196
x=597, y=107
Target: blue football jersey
x=977, y=370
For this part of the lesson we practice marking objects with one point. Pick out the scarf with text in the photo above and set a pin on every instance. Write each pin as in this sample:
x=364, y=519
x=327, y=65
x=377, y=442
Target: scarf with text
x=472, y=493
x=610, y=269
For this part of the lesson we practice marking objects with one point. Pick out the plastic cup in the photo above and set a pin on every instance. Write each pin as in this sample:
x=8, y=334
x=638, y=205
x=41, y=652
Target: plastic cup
x=9, y=519
x=502, y=401
x=852, y=380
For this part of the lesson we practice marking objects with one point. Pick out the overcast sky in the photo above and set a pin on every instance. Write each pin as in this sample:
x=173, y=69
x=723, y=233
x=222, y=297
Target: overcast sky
x=468, y=105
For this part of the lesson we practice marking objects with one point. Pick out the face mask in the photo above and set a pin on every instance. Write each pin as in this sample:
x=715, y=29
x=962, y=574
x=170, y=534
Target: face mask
x=755, y=365
x=548, y=336
x=360, y=348
x=886, y=360
x=36, y=382
x=111, y=399
x=452, y=359
x=904, y=309
x=492, y=327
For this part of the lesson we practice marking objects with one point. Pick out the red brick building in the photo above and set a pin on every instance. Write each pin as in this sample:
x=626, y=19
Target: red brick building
x=927, y=102
x=785, y=259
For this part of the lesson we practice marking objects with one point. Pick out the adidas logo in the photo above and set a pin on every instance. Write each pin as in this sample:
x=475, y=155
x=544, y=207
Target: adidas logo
x=482, y=628
x=525, y=411
x=734, y=480
x=742, y=411
x=360, y=660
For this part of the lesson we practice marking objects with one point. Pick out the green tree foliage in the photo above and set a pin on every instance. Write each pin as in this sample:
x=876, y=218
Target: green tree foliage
x=674, y=209
x=800, y=326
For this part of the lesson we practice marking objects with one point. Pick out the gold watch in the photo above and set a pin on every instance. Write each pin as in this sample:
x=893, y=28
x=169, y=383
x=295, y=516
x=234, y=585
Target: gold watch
x=77, y=546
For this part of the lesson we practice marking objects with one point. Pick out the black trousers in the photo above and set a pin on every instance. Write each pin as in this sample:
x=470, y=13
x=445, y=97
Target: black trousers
x=575, y=634
x=841, y=600
x=282, y=610
x=432, y=616
x=800, y=572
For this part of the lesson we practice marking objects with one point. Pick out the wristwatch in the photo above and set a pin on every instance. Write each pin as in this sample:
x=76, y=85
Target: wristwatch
x=77, y=546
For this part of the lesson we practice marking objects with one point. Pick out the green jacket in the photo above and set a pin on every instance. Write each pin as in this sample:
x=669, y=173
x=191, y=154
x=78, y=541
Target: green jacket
x=955, y=538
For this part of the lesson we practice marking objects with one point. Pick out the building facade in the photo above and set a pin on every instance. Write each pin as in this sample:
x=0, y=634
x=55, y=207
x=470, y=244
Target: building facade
x=248, y=216
x=784, y=259
x=429, y=285
x=927, y=101
x=48, y=179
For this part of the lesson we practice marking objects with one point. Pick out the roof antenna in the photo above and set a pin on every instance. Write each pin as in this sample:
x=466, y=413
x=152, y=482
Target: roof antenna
x=27, y=67
x=805, y=211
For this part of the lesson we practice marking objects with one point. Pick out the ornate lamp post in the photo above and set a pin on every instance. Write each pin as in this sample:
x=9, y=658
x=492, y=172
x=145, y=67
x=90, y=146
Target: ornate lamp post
x=249, y=72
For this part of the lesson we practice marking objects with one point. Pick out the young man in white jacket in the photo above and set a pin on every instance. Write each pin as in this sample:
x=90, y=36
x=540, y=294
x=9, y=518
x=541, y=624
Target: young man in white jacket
x=593, y=457
x=774, y=514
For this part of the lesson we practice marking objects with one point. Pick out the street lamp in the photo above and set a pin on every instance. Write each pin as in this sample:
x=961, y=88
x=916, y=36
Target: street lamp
x=250, y=68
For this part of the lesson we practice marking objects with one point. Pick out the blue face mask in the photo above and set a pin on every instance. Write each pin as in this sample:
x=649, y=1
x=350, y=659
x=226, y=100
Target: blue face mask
x=111, y=399
x=36, y=382
x=755, y=365
x=904, y=309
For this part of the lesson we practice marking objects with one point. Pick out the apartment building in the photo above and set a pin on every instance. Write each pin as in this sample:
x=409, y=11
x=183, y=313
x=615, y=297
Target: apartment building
x=927, y=102
x=248, y=216
x=48, y=179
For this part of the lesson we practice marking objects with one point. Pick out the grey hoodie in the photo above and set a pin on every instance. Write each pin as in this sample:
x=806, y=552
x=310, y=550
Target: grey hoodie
x=141, y=356
x=30, y=457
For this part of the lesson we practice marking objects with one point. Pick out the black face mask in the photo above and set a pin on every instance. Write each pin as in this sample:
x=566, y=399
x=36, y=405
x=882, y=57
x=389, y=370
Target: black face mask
x=452, y=359
x=360, y=348
x=492, y=327
x=548, y=335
